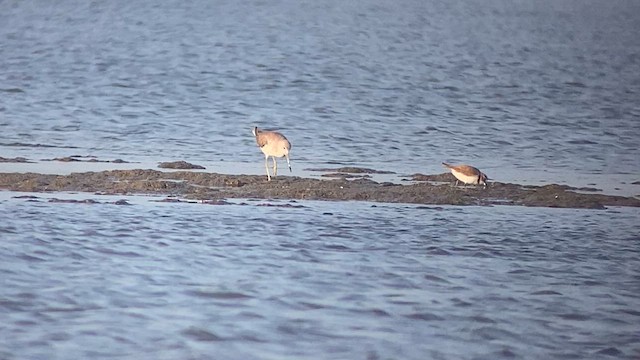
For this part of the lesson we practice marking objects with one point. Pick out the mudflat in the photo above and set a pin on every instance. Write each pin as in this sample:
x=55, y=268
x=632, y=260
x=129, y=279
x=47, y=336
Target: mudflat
x=434, y=189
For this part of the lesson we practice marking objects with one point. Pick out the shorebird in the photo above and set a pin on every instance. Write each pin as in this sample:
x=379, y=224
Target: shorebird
x=272, y=144
x=467, y=174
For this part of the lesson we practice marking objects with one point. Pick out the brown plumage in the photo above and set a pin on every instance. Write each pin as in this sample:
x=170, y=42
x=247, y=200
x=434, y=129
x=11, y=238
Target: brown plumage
x=467, y=174
x=273, y=144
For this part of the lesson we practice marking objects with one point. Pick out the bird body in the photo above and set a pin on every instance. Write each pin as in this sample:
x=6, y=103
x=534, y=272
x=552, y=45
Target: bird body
x=273, y=144
x=467, y=174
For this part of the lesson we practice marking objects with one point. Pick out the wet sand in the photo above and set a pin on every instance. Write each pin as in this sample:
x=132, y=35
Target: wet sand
x=434, y=189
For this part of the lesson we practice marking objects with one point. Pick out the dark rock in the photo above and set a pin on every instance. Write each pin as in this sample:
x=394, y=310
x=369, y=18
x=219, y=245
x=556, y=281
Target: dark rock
x=206, y=186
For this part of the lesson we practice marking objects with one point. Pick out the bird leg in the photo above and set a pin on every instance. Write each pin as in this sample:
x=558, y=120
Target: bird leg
x=266, y=166
x=275, y=166
x=288, y=163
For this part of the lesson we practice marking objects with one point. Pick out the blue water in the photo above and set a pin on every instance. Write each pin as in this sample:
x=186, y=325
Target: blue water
x=399, y=85
x=322, y=280
x=545, y=89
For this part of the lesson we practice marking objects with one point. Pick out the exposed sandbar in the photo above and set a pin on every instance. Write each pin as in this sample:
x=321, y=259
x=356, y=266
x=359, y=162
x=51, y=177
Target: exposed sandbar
x=434, y=190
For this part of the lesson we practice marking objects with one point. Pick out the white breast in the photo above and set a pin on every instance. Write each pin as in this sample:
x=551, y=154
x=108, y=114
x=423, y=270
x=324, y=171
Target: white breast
x=467, y=179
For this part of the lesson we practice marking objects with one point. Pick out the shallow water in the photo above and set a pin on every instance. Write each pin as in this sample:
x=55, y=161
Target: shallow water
x=322, y=280
x=542, y=91
x=401, y=86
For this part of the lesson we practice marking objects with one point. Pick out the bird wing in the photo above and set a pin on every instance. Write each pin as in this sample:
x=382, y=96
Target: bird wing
x=261, y=140
x=467, y=170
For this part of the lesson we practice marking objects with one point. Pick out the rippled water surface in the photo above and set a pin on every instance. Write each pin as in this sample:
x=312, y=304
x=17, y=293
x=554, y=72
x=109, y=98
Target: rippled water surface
x=546, y=89
x=400, y=85
x=315, y=280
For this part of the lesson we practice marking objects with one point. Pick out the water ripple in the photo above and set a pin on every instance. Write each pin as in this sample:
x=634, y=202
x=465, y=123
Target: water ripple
x=375, y=84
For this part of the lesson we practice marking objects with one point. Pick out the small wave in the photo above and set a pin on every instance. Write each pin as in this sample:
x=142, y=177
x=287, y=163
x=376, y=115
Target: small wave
x=311, y=306
x=611, y=351
x=574, y=316
x=448, y=87
x=221, y=295
x=575, y=84
x=493, y=333
x=120, y=85
x=518, y=271
x=481, y=254
x=582, y=142
x=437, y=251
x=374, y=312
x=120, y=253
x=482, y=319
x=502, y=142
x=425, y=316
x=337, y=247
x=12, y=90
x=31, y=258
x=460, y=303
x=57, y=309
x=545, y=292
x=436, y=279
x=200, y=334
x=629, y=312
x=19, y=144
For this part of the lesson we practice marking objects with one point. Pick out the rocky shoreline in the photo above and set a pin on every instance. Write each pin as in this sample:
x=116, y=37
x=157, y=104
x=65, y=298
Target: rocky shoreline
x=420, y=189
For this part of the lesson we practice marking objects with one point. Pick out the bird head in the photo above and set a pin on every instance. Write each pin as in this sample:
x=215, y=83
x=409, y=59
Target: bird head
x=482, y=179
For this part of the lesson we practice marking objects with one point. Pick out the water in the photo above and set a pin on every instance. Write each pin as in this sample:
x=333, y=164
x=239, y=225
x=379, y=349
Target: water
x=325, y=280
x=540, y=90
x=399, y=85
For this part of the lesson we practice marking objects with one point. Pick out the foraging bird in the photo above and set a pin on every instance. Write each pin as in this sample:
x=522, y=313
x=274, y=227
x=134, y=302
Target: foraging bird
x=272, y=144
x=467, y=174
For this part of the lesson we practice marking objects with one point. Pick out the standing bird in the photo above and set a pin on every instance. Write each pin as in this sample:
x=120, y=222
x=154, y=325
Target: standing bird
x=272, y=144
x=467, y=174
